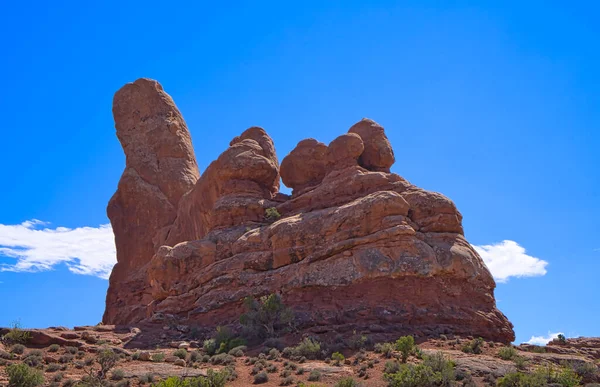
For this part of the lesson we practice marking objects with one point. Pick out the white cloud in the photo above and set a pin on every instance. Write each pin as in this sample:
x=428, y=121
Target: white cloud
x=541, y=340
x=508, y=259
x=85, y=250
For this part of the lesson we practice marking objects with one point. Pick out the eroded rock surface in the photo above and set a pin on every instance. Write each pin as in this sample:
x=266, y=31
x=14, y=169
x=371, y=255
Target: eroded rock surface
x=356, y=247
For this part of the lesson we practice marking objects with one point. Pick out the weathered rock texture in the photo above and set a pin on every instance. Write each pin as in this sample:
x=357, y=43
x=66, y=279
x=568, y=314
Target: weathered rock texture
x=356, y=247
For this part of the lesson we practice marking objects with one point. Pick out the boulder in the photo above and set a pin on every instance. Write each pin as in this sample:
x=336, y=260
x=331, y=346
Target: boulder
x=355, y=248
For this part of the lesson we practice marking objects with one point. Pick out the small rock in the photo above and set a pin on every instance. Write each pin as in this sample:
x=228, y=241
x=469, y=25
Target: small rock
x=174, y=344
x=144, y=356
x=171, y=359
x=179, y=362
x=184, y=345
x=183, y=328
x=136, y=331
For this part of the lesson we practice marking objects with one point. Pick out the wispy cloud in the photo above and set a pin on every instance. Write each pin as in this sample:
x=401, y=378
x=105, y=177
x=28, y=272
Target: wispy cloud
x=541, y=340
x=36, y=247
x=508, y=259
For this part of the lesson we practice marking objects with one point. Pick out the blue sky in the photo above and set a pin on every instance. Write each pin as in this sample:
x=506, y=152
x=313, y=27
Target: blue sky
x=496, y=106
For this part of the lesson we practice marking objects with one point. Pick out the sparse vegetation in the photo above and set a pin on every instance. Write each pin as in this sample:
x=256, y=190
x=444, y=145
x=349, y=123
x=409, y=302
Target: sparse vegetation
x=180, y=353
x=338, y=358
x=53, y=348
x=507, y=353
x=266, y=317
x=16, y=335
x=158, y=357
x=561, y=338
x=17, y=349
x=474, y=346
x=405, y=345
x=314, y=376
x=261, y=378
x=411, y=375
x=21, y=375
x=271, y=214
x=386, y=349
x=309, y=348
x=347, y=382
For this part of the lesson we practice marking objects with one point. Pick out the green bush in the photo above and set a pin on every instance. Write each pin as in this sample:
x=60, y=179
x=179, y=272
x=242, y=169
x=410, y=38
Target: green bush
x=561, y=338
x=20, y=375
x=53, y=348
x=180, y=353
x=17, y=335
x=212, y=379
x=405, y=345
x=542, y=376
x=117, y=374
x=338, y=358
x=266, y=317
x=158, y=357
x=287, y=381
x=347, y=382
x=314, y=376
x=386, y=349
x=107, y=359
x=271, y=214
x=414, y=376
x=17, y=349
x=261, y=378
x=309, y=348
x=442, y=367
x=391, y=367
x=507, y=353
x=474, y=346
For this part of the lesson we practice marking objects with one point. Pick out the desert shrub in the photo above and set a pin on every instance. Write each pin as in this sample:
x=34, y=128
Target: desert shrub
x=300, y=371
x=117, y=374
x=347, y=382
x=386, y=349
x=314, y=376
x=588, y=372
x=520, y=362
x=261, y=378
x=561, y=338
x=34, y=358
x=222, y=358
x=210, y=346
x=271, y=368
x=542, y=376
x=17, y=349
x=413, y=376
x=358, y=341
x=273, y=354
x=21, y=375
x=158, y=357
x=474, y=346
x=271, y=214
x=53, y=367
x=405, y=345
x=266, y=317
x=442, y=367
x=338, y=358
x=58, y=377
x=17, y=335
x=538, y=349
x=212, y=379
x=238, y=351
x=53, y=348
x=147, y=378
x=71, y=350
x=507, y=353
x=309, y=348
x=287, y=381
x=67, y=358
x=107, y=359
x=180, y=353
x=195, y=356
x=391, y=367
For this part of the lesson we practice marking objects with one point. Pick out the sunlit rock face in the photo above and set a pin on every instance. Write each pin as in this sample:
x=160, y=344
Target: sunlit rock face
x=356, y=247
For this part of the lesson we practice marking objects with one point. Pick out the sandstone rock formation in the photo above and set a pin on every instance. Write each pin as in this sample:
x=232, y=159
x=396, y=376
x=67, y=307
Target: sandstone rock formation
x=356, y=247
